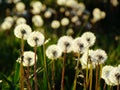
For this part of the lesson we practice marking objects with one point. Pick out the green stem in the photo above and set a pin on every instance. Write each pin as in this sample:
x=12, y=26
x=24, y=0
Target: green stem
x=45, y=68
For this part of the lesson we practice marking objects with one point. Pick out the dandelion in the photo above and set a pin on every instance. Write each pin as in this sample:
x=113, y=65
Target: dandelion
x=114, y=76
x=114, y=2
x=22, y=31
x=99, y=56
x=61, y=2
x=20, y=7
x=65, y=43
x=37, y=20
x=105, y=75
x=79, y=45
x=9, y=19
x=28, y=58
x=53, y=52
x=65, y=21
x=6, y=25
x=48, y=14
x=89, y=37
x=55, y=24
x=36, y=38
x=21, y=20
x=36, y=7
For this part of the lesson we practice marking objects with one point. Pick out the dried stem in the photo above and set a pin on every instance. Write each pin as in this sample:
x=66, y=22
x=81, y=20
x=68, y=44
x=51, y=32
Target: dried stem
x=96, y=84
x=104, y=88
x=63, y=71
x=28, y=80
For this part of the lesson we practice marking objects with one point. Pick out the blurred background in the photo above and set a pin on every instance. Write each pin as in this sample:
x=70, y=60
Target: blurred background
x=107, y=29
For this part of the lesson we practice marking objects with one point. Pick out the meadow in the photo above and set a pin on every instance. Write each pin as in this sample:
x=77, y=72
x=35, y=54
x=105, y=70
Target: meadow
x=59, y=45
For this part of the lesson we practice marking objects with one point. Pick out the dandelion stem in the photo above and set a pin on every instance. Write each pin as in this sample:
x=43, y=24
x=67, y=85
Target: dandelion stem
x=86, y=79
x=76, y=73
x=90, y=77
x=53, y=75
x=104, y=88
x=27, y=76
x=21, y=66
x=96, y=84
x=35, y=74
x=63, y=71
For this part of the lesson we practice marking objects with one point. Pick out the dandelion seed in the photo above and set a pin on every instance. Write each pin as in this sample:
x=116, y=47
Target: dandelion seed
x=22, y=31
x=89, y=37
x=53, y=52
x=65, y=43
x=36, y=38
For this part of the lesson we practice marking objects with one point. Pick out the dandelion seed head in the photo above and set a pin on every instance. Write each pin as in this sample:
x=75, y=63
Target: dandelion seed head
x=6, y=25
x=36, y=38
x=22, y=30
x=37, y=20
x=21, y=20
x=53, y=52
x=65, y=21
x=89, y=37
x=114, y=76
x=79, y=45
x=55, y=24
x=20, y=7
x=47, y=14
x=99, y=56
x=65, y=43
x=29, y=58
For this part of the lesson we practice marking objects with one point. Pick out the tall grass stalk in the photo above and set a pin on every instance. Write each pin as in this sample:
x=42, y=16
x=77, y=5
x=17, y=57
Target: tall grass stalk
x=35, y=67
x=45, y=68
x=21, y=66
x=63, y=71
x=53, y=75
x=76, y=73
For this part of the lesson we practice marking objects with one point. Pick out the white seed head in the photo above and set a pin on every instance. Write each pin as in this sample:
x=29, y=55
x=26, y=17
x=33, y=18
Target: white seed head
x=20, y=7
x=37, y=20
x=22, y=31
x=36, y=38
x=65, y=43
x=99, y=56
x=55, y=24
x=21, y=20
x=89, y=37
x=6, y=25
x=47, y=14
x=29, y=58
x=79, y=45
x=53, y=52
x=65, y=21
